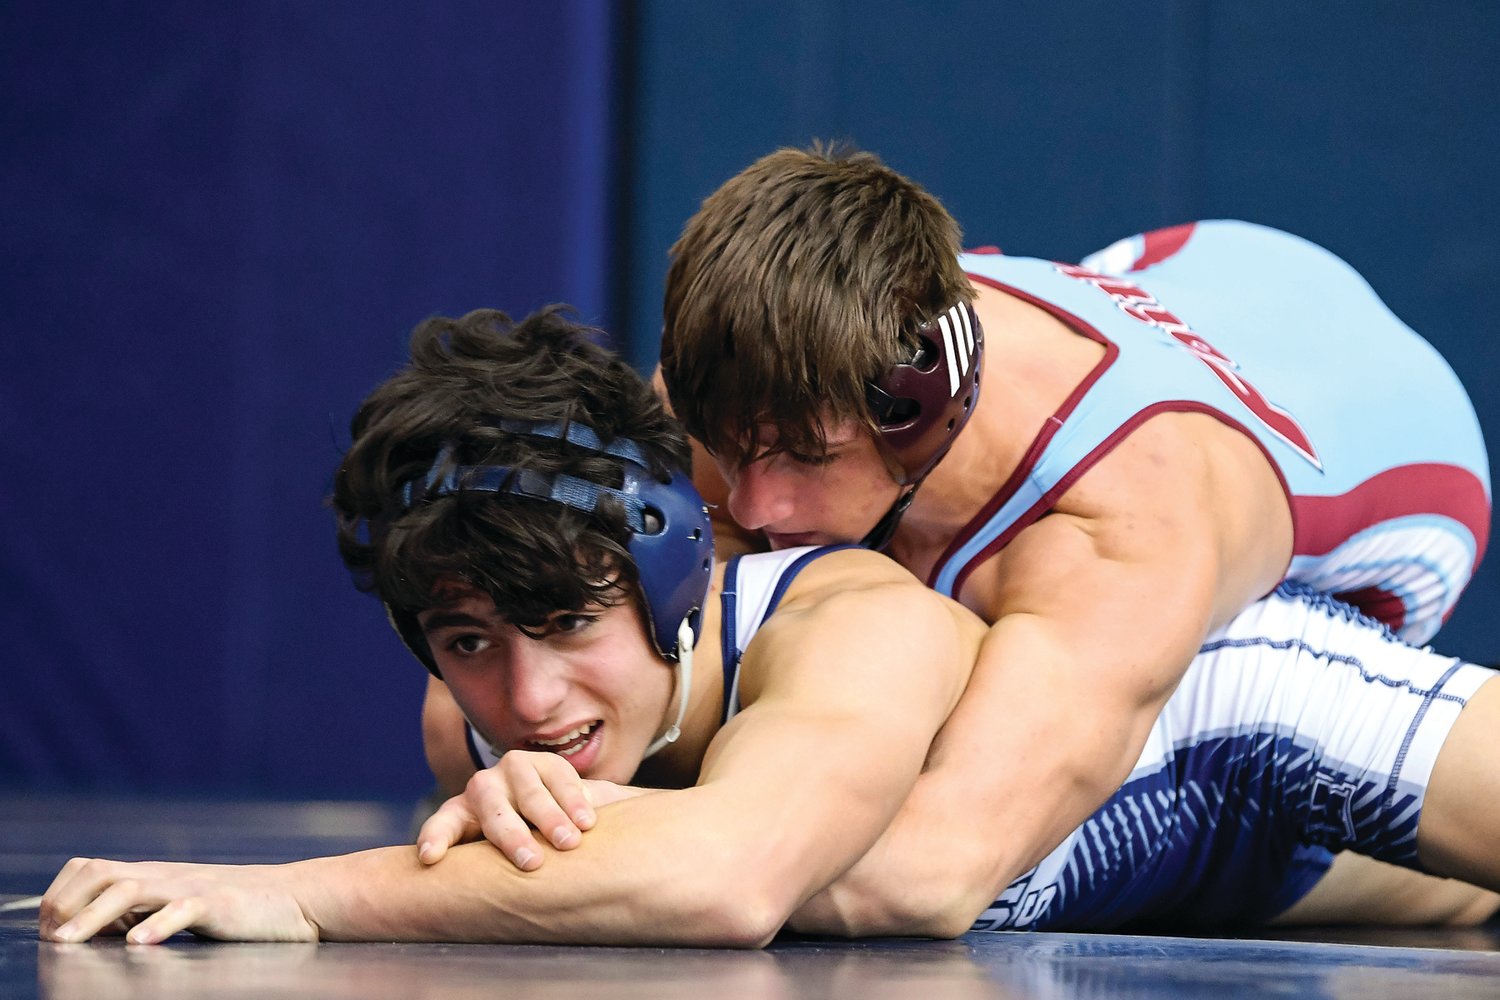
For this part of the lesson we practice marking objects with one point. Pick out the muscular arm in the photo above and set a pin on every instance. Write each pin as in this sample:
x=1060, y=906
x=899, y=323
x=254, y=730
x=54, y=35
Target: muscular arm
x=1098, y=609
x=841, y=707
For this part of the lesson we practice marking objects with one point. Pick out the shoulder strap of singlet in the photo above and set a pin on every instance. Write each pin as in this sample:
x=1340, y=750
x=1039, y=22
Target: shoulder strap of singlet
x=1153, y=362
x=746, y=579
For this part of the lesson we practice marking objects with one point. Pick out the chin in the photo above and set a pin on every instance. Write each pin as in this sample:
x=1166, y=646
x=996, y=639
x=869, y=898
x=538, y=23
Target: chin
x=792, y=540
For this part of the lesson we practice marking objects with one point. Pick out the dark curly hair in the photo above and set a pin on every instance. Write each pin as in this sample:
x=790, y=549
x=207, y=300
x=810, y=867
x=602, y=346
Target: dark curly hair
x=532, y=557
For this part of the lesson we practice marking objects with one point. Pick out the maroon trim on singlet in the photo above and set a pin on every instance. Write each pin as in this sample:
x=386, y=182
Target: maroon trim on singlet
x=1044, y=504
x=1381, y=605
x=1163, y=243
x=1049, y=427
x=1322, y=524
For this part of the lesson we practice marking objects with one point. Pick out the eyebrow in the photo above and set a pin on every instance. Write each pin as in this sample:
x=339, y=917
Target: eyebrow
x=451, y=619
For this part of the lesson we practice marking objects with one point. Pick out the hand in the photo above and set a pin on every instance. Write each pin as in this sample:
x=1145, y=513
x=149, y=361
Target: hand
x=149, y=901
x=503, y=803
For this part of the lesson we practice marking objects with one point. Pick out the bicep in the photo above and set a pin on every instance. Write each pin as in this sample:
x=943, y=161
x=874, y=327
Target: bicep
x=1125, y=578
x=842, y=706
x=1094, y=625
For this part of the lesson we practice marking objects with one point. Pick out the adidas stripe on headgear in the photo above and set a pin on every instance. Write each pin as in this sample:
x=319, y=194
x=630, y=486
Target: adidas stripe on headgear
x=921, y=405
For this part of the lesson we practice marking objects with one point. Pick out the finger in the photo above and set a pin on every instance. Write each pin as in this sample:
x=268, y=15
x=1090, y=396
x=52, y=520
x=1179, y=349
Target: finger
x=59, y=903
x=177, y=915
x=507, y=830
x=116, y=902
x=77, y=886
x=539, y=807
x=453, y=823
x=567, y=789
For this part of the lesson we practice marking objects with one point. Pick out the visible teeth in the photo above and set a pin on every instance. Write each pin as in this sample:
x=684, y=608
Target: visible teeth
x=578, y=733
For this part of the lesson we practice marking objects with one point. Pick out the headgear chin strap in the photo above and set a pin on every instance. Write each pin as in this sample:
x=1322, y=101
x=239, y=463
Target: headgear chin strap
x=921, y=405
x=685, y=642
x=671, y=539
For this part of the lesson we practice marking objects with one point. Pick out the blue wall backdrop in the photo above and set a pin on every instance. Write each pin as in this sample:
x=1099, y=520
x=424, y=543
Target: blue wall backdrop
x=221, y=221
x=1053, y=128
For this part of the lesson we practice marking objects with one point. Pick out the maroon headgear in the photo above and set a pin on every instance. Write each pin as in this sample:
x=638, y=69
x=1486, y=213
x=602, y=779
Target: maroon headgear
x=921, y=405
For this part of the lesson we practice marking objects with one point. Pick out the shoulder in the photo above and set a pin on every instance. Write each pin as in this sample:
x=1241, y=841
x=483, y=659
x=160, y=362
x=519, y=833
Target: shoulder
x=855, y=604
x=1166, y=462
x=819, y=579
x=1183, y=505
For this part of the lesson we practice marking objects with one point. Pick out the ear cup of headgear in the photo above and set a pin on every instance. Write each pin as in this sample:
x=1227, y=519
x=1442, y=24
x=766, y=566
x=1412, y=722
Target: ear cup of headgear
x=674, y=557
x=921, y=405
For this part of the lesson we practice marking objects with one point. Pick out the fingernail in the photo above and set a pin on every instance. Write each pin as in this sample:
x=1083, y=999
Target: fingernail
x=583, y=818
x=425, y=853
x=524, y=859
x=564, y=836
x=63, y=933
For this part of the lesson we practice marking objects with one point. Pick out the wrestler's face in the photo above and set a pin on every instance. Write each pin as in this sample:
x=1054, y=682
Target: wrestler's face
x=810, y=500
x=587, y=685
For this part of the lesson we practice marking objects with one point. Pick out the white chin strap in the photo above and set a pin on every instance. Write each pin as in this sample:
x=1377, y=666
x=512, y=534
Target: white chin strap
x=684, y=688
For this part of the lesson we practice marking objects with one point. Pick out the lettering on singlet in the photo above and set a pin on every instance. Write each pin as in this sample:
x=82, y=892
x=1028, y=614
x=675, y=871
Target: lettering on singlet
x=1018, y=906
x=1139, y=304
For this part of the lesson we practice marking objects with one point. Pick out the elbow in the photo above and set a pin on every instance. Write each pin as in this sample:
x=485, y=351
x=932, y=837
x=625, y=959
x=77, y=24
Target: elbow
x=945, y=908
x=736, y=921
x=927, y=899
x=933, y=914
x=732, y=911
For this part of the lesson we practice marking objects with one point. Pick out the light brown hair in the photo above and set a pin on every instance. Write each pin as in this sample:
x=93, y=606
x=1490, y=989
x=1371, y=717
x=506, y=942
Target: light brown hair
x=798, y=280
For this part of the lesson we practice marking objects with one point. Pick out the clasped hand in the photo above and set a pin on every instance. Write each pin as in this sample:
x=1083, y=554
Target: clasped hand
x=526, y=793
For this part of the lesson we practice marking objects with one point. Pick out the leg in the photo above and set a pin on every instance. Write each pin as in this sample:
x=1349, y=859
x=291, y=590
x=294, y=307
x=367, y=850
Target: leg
x=1387, y=724
x=1361, y=890
x=1459, y=832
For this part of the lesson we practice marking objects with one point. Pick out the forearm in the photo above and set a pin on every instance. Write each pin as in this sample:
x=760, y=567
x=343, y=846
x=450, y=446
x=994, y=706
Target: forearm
x=1002, y=789
x=916, y=881
x=635, y=880
x=954, y=848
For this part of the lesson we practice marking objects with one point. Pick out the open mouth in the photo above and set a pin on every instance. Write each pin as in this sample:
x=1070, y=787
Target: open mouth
x=570, y=743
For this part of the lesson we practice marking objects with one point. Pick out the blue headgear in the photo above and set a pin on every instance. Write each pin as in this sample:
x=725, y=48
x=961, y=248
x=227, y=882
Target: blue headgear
x=671, y=539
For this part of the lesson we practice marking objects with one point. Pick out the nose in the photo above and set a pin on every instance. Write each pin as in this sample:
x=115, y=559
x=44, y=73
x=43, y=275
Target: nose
x=537, y=681
x=759, y=496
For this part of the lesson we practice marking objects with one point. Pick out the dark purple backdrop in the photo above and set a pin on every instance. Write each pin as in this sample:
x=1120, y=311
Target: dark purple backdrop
x=221, y=220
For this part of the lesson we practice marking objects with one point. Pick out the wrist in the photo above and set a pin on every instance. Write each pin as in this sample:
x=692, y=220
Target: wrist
x=602, y=793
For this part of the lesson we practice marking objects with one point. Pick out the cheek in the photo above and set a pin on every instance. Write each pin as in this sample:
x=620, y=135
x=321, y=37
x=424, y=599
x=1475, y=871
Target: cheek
x=856, y=486
x=481, y=698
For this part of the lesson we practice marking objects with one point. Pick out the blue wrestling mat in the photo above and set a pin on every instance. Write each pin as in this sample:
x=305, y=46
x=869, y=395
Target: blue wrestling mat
x=38, y=835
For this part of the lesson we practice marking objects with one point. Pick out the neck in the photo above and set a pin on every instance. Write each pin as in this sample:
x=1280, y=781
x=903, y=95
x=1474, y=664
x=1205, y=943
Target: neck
x=678, y=763
x=1032, y=363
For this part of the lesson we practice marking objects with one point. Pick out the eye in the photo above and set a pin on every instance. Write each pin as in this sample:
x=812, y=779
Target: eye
x=468, y=644
x=811, y=461
x=570, y=622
